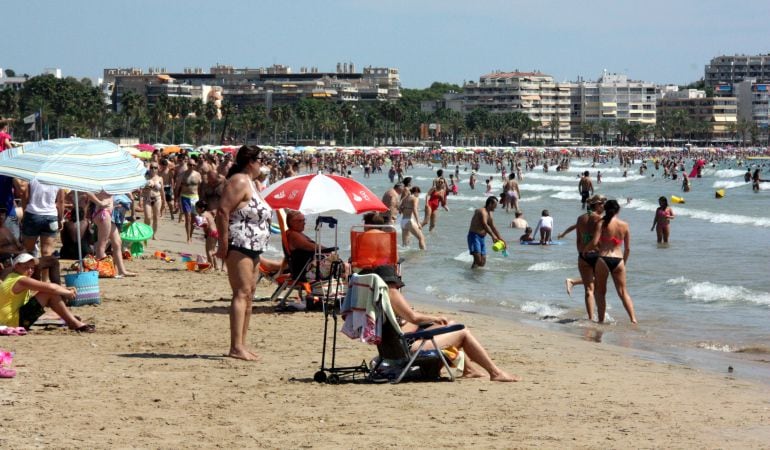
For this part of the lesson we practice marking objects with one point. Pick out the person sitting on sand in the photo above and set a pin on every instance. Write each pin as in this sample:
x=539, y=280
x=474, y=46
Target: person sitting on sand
x=527, y=236
x=20, y=307
x=462, y=339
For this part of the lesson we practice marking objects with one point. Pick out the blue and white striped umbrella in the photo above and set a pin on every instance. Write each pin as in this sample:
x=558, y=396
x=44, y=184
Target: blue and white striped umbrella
x=86, y=165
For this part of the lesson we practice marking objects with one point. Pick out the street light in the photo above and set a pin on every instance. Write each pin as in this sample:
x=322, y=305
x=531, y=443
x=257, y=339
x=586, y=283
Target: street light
x=345, y=130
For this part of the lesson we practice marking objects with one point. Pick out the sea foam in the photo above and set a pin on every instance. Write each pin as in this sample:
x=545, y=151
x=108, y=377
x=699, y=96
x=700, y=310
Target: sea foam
x=707, y=292
x=549, y=266
x=542, y=310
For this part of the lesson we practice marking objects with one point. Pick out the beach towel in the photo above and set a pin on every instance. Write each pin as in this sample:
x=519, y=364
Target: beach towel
x=362, y=310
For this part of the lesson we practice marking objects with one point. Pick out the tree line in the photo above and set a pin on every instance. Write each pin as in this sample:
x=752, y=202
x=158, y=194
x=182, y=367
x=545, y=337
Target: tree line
x=69, y=106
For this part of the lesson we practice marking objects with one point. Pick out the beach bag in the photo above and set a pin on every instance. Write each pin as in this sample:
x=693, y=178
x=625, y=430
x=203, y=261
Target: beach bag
x=106, y=267
x=87, y=286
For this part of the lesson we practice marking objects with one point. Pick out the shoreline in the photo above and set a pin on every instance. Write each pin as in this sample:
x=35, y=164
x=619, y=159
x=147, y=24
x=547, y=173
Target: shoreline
x=154, y=375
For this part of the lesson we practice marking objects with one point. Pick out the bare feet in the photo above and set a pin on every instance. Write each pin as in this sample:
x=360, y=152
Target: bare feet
x=569, y=284
x=471, y=371
x=243, y=354
x=505, y=377
x=129, y=274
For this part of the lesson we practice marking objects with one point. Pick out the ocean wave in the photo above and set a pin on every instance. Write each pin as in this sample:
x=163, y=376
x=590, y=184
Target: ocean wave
x=458, y=299
x=716, y=347
x=566, y=196
x=431, y=289
x=542, y=310
x=464, y=257
x=726, y=348
x=530, y=199
x=547, y=187
x=729, y=184
x=549, y=266
x=709, y=216
x=728, y=173
x=708, y=292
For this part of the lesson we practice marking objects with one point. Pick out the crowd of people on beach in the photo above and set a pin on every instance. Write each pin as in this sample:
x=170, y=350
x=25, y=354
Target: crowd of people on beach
x=219, y=194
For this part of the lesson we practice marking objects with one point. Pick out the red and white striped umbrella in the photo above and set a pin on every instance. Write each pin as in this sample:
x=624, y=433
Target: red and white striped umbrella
x=314, y=194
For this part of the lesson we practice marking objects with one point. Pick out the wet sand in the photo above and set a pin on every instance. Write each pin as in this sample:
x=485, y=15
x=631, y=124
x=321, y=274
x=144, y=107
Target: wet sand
x=154, y=376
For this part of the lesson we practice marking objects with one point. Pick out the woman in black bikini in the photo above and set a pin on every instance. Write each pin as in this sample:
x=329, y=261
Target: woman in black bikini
x=610, y=233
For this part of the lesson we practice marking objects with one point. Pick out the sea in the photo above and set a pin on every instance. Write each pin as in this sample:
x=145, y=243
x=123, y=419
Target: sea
x=702, y=300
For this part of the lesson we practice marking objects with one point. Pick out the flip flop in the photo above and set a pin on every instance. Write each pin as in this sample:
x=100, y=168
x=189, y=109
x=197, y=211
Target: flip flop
x=7, y=373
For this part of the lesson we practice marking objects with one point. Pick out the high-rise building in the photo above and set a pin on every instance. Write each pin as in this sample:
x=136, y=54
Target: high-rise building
x=734, y=69
x=611, y=98
x=533, y=93
x=753, y=101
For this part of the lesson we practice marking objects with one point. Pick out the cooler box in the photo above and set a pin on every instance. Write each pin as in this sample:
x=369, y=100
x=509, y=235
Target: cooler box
x=87, y=284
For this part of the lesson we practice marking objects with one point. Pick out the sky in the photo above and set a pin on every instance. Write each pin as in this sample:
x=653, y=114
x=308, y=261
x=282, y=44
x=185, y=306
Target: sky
x=661, y=41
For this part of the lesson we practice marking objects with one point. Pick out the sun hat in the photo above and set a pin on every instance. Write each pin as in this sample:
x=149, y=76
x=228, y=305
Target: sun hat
x=388, y=275
x=24, y=257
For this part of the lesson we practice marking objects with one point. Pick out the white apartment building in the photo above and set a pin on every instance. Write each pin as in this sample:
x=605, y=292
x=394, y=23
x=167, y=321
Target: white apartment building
x=612, y=97
x=533, y=93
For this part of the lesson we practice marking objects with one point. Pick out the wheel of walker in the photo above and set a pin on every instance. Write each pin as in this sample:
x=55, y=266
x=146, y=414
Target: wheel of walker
x=320, y=377
x=334, y=379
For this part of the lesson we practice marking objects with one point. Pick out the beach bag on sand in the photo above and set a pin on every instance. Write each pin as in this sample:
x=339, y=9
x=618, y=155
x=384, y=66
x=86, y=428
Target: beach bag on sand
x=106, y=267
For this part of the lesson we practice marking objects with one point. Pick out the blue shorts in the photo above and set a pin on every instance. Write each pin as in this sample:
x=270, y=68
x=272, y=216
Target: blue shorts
x=476, y=243
x=33, y=225
x=188, y=204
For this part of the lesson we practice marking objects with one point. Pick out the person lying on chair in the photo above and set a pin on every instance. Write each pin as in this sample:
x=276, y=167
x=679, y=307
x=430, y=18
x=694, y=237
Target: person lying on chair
x=301, y=249
x=462, y=339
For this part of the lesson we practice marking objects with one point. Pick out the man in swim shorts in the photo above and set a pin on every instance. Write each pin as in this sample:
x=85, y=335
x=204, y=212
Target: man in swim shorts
x=481, y=225
x=586, y=188
x=189, y=183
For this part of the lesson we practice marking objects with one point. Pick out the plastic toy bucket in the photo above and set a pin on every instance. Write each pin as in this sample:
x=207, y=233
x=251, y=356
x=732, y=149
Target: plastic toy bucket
x=87, y=284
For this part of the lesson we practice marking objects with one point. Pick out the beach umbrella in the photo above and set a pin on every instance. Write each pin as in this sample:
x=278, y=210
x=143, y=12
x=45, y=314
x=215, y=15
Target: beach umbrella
x=143, y=155
x=314, y=194
x=86, y=165
x=145, y=147
x=171, y=149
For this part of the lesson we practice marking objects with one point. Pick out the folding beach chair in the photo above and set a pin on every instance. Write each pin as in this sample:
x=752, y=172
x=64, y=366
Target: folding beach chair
x=372, y=246
x=369, y=317
x=287, y=284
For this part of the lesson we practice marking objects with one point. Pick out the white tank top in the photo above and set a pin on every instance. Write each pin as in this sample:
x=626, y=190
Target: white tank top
x=42, y=199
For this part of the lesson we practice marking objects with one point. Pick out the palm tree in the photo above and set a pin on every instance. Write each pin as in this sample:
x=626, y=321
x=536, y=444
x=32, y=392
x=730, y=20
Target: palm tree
x=185, y=107
x=211, y=112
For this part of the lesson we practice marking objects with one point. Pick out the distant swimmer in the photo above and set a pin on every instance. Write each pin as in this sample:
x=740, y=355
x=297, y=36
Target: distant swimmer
x=586, y=188
x=482, y=224
x=662, y=220
x=519, y=221
x=545, y=225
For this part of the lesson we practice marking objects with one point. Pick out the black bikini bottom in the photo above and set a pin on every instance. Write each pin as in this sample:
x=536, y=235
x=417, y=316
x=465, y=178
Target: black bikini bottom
x=590, y=258
x=612, y=262
x=253, y=254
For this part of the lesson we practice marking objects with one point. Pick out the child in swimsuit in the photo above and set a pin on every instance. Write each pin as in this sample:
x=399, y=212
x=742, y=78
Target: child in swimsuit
x=211, y=233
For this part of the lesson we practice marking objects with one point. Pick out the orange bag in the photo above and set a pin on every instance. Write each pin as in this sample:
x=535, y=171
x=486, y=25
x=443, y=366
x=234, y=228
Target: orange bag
x=106, y=267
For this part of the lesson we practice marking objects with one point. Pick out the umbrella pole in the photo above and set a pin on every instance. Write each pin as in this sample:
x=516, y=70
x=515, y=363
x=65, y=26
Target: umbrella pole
x=77, y=224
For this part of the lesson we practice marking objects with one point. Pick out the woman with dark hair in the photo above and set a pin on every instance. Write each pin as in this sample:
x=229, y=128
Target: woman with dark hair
x=610, y=234
x=243, y=222
x=660, y=223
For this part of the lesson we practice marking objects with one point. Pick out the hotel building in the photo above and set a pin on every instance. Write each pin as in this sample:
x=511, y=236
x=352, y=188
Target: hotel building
x=734, y=69
x=720, y=113
x=532, y=93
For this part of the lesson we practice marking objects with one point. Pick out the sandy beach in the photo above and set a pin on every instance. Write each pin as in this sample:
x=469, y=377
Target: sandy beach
x=154, y=376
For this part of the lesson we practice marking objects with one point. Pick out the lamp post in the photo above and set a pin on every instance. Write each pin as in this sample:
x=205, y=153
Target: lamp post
x=345, y=130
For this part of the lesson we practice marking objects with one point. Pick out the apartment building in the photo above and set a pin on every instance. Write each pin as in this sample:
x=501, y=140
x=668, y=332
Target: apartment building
x=612, y=97
x=274, y=85
x=734, y=69
x=753, y=101
x=533, y=93
x=720, y=113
